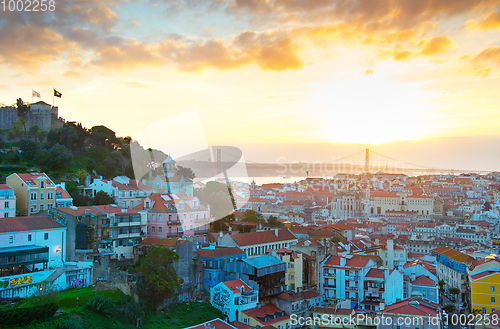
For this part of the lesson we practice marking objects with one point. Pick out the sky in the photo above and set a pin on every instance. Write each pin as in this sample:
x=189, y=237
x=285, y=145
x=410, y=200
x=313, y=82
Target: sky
x=299, y=80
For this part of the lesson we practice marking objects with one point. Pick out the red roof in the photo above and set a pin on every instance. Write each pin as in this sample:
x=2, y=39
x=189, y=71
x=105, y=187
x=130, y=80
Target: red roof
x=355, y=261
x=483, y=274
x=64, y=194
x=219, y=252
x=404, y=307
x=5, y=187
x=268, y=309
x=236, y=285
x=248, y=239
x=28, y=223
x=27, y=177
x=375, y=273
x=424, y=280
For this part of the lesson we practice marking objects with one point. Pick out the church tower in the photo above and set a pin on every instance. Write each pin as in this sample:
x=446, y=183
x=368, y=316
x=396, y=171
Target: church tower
x=169, y=168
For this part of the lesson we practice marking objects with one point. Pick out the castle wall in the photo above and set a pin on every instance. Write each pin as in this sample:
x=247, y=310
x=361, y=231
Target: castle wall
x=8, y=115
x=43, y=115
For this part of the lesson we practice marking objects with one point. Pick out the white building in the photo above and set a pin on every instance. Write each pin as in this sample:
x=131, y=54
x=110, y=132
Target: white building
x=233, y=297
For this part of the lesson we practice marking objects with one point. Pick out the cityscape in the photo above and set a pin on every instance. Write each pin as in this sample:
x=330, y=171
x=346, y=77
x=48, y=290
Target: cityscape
x=249, y=164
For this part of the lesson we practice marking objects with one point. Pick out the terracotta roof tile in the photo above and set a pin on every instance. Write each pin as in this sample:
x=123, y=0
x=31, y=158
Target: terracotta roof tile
x=28, y=223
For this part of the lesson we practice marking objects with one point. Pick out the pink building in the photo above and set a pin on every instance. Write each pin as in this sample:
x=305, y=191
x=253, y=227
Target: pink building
x=170, y=215
x=7, y=201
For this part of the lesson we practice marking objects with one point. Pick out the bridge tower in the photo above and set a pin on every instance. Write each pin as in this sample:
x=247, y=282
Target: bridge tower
x=367, y=161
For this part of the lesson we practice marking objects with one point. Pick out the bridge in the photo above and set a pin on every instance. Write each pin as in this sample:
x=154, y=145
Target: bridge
x=361, y=162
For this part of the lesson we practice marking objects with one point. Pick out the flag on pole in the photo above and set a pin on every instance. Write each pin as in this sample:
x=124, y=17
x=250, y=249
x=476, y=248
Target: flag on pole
x=57, y=94
x=35, y=94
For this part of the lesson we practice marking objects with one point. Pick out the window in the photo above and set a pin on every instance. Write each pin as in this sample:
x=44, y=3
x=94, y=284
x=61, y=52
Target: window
x=159, y=218
x=42, y=196
x=42, y=184
x=46, y=236
x=131, y=204
x=6, y=204
x=493, y=299
x=49, y=205
x=11, y=238
x=159, y=229
x=483, y=310
x=124, y=204
x=33, y=197
x=5, y=214
x=245, y=320
x=492, y=288
x=152, y=229
x=50, y=195
x=41, y=207
x=209, y=276
x=29, y=237
x=33, y=208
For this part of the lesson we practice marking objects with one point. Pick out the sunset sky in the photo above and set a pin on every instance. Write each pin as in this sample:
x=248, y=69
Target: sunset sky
x=304, y=80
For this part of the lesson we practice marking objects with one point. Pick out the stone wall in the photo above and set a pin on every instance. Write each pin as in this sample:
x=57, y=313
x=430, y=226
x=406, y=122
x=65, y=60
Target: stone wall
x=42, y=114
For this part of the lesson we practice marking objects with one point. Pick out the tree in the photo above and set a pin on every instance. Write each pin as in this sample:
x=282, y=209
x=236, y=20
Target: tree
x=441, y=286
x=158, y=279
x=30, y=148
x=449, y=308
x=11, y=136
x=58, y=158
x=102, y=198
x=186, y=172
x=22, y=111
x=454, y=291
x=487, y=206
x=252, y=216
x=33, y=130
x=273, y=221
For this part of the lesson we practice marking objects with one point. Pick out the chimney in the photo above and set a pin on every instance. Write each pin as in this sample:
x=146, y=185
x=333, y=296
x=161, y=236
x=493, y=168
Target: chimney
x=276, y=231
x=413, y=276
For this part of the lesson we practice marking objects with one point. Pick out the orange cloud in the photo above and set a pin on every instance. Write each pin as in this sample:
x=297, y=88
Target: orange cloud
x=437, y=45
x=29, y=47
x=490, y=22
x=485, y=62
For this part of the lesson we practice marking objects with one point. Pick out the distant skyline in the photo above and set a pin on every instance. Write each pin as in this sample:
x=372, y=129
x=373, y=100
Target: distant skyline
x=304, y=80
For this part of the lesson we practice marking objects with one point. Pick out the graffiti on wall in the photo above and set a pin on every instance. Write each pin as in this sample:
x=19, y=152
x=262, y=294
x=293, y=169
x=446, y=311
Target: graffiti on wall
x=21, y=280
x=79, y=283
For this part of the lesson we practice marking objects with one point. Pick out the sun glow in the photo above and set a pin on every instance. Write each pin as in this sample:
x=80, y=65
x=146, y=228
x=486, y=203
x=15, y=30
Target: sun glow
x=371, y=110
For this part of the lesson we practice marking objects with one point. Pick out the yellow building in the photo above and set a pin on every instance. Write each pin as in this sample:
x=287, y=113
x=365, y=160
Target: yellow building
x=35, y=192
x=485, y=291
x=294, y=266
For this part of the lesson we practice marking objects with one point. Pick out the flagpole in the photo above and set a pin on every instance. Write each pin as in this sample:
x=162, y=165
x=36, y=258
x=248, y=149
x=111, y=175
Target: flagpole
x=53, y=93
x=31, y=95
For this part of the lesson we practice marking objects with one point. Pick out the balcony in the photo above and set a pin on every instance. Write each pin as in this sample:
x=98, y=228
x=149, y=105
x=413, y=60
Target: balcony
x=351, y=288
x=127, y=235
x=134, y=223
x=329, y=274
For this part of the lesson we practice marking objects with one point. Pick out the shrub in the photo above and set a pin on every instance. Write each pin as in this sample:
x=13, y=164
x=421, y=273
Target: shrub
x=23, y=315
x=101, y=305
x=69, y=324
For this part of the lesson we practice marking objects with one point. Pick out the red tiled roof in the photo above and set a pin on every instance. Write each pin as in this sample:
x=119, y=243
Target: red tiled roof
x=375, y=273
x=28, y=223
x=355, y=261
x=310, y=294
x=268, y=309
x=219, y=252
x=235, y=286
x=64, y=194
x=424, y=280
x=30, y=176
x=5, y=187
x=483, y=274
x=133, y=185
x=404, y=307
x=162, y=242
x=248, y=239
